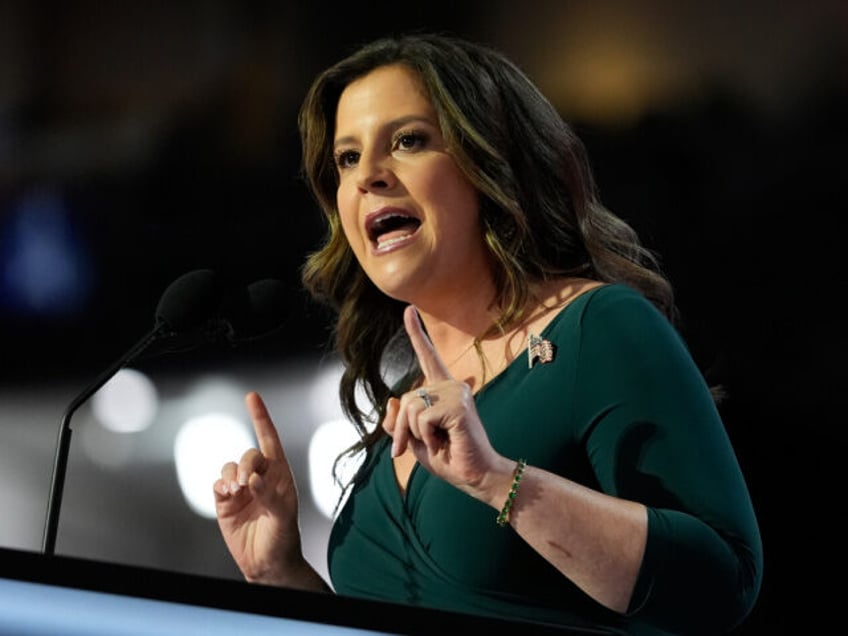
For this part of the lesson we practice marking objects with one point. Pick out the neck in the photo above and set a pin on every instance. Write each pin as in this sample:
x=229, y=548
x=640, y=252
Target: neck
x=455, y=315
x=454, y=332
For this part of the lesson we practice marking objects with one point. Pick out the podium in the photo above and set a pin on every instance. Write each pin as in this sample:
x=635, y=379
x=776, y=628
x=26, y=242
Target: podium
x=59, y=595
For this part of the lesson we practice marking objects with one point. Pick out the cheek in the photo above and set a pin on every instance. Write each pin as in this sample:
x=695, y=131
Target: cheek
x=455, y=194
x=444, y=182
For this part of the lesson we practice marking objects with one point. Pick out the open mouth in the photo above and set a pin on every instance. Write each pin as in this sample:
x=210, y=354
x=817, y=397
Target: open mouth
x=391, y=227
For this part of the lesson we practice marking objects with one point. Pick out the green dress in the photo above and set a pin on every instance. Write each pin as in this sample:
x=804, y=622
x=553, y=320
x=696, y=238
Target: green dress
x=621, y=408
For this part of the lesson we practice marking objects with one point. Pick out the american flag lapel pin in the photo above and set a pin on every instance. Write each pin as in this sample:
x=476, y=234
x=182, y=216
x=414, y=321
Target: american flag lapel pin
x=539, y=349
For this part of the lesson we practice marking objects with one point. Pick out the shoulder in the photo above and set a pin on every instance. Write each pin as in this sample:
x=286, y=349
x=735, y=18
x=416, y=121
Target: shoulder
x=605, y=298
x=613, y=308
x=561, y=293
x=556, y=296
x=616, y=298
x=614, y=293
x=619, y=317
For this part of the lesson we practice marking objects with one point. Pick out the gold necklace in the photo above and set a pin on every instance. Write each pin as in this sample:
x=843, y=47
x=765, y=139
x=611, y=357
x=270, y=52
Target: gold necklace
x=473, y=344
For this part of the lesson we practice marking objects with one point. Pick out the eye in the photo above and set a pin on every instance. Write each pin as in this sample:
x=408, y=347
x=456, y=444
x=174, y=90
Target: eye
x=410, y=140
x=346, y=159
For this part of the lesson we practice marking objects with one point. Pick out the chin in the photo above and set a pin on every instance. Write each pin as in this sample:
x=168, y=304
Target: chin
x=396, y=293
x=399, y=289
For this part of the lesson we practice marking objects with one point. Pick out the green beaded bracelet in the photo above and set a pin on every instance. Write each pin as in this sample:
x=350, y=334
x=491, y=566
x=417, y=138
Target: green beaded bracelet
x=503, y=517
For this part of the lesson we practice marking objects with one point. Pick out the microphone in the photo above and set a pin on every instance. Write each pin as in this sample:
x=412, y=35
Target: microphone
x=196, y=308
x=258, y=312
x=185, y=306
x=245, y=314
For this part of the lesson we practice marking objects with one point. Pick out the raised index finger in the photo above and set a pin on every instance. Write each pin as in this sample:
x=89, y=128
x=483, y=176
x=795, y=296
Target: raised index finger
x=431, y=364
x=266, y=433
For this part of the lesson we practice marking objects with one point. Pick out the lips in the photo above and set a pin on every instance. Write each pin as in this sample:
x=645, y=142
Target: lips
x=389, y=226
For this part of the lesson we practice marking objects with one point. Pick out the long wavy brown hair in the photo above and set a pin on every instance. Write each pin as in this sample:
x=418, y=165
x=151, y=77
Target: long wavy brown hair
x=540, y=211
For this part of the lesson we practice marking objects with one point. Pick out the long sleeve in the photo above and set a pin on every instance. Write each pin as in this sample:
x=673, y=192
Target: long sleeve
x=654, y=436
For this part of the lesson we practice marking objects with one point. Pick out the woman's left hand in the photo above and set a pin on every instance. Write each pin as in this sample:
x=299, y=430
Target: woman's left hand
x=446, y=436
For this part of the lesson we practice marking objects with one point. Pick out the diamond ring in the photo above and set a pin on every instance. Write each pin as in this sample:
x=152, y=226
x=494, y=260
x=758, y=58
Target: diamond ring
x=425, y=396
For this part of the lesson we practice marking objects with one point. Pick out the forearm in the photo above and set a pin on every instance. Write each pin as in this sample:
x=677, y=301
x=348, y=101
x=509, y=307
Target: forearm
x=596, y=540
x=299, y=576
x=307, y=578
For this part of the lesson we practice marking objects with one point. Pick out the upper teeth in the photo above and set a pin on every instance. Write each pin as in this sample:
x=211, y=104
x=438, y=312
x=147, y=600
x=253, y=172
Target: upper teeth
x=379, y=224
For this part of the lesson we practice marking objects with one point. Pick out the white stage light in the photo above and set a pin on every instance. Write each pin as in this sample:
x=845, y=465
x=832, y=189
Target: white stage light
x=202, y=446
x=324, y=400
x=329, y=439
x=127, y=403
x=324, y=393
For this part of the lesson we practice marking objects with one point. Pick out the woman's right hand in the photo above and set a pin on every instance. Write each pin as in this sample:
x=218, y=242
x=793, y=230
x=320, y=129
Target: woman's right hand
x=256, y=505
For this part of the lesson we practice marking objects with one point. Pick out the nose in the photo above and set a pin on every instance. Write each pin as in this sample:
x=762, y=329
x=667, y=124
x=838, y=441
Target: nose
x=374, y=173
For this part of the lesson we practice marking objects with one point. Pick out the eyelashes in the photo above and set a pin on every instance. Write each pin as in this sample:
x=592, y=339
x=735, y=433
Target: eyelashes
x=403, y=140
x=345, y=159
x=410, y=140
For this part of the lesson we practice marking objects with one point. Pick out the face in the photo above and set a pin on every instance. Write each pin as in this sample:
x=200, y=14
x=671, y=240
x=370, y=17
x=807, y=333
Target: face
x=408, y=212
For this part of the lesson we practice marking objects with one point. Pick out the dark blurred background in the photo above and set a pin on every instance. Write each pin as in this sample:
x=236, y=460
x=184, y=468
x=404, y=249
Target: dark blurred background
x=141, y=140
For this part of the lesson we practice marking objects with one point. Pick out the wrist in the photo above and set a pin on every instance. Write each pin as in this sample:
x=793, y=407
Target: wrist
x=494, y=488
x=503, y=517
x=291, y=573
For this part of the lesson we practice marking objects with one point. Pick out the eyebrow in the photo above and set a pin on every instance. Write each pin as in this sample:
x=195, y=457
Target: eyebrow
x=394, y=124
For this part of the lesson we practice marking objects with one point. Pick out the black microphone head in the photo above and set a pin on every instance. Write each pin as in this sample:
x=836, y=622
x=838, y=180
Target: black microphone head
x=260, y=310
x=190, y=300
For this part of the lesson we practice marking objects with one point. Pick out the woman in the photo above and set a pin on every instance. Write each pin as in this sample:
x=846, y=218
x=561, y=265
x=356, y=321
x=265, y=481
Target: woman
x=551, y=452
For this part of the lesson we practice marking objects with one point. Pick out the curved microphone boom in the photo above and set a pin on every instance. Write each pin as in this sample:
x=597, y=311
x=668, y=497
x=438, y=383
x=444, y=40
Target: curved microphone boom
x=189, y=303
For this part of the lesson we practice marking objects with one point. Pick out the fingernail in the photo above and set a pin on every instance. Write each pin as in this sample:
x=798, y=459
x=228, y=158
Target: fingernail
x=242, y=480
x=394, y=448
x=234, y=487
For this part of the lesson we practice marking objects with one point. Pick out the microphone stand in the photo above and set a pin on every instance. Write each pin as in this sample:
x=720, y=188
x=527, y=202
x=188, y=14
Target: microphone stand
x=63, y=445
x=186, y=304
x=193, y=309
